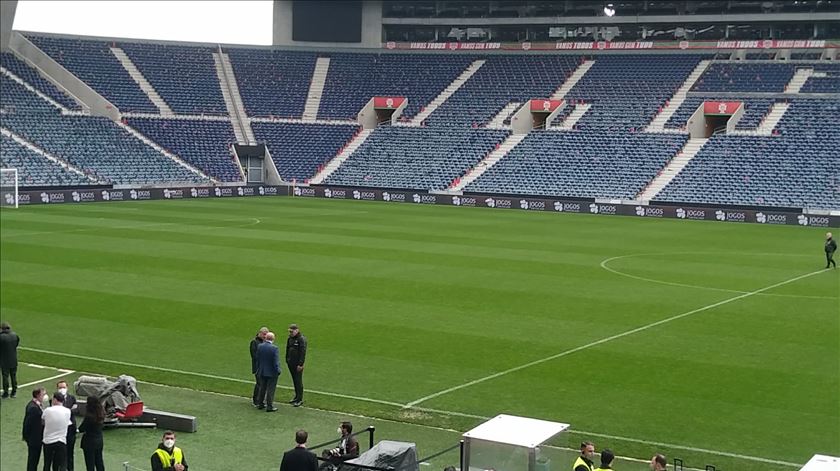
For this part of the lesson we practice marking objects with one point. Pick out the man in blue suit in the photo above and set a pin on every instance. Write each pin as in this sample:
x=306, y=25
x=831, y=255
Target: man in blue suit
x=268, y=367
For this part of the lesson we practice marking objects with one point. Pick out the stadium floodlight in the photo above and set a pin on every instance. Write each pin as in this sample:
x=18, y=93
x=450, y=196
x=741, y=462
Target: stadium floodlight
x=9, y=187
x=609, y=10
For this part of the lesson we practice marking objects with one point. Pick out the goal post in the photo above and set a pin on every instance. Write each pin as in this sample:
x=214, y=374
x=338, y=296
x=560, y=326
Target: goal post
x=9, y=187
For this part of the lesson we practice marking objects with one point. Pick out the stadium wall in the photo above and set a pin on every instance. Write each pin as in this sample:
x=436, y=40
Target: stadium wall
x=7, y=19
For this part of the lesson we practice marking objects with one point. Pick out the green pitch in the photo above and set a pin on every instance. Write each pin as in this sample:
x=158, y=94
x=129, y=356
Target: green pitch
x=717, y=343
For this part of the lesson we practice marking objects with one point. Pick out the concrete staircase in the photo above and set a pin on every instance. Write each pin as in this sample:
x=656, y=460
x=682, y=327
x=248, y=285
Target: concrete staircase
x=144, y=84
x=777, y=112
x=59, y=161
x=573, y=79
x=498, y=121
x=798, y=80
x=233, y=100
x=488, y=161
x=233, y=87
x=165, y=152
x=658, y=122
x=447, y=92
x=316, y=89
x=339, y=159
x=569, y=123
x=672, y=169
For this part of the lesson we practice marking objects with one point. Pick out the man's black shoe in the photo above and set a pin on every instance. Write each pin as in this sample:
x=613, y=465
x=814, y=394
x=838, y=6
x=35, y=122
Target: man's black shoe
x=5, y=395
x=297, y=403
x=273, y=409
x=260, y=406
x=14, y=394
x=293, y=401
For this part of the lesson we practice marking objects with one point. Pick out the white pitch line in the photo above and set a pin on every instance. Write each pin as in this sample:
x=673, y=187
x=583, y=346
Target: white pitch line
x=379, y=401
x=63, y=373
x=604, y=265
x=605, y=340
x=202, y=375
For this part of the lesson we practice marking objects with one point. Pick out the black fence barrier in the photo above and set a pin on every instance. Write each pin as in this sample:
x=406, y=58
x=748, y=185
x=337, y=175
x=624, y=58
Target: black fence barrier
x=721, y=213
x=564, y=205
x=91, y=195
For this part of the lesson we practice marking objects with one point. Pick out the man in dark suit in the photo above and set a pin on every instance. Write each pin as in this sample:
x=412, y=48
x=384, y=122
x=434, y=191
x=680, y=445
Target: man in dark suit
x=268, y=367
x=299, y=458
x=255, y=343
x=33, y=428
x=70, y=403
x=9, y=342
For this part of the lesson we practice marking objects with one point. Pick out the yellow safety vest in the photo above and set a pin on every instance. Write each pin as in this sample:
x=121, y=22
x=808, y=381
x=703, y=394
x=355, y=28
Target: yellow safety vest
x=579, y=461
x=603, y=469
x=167, y=460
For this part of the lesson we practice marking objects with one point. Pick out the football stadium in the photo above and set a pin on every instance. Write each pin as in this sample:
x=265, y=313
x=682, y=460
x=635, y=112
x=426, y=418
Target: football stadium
x=474, y=235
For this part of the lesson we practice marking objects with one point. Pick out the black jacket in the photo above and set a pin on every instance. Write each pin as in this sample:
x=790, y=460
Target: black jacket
x=296, y=350
x=830, y=246
x=299, y=459
x=9, y=342
x=157, y=466
x=255, y=342
x=92, y=431
x=69, y=402
x=33, y=429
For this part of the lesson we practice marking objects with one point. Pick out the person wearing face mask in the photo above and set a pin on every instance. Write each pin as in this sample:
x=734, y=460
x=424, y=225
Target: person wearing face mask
x=70, y=403
x=347, y=449
x=585, y=462
x=167, y=456
x=33, y=429
x=56, y=419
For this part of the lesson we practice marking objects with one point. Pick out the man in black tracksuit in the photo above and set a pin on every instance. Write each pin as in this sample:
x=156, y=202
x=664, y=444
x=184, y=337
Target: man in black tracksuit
x=830, y=248
x=295, y=356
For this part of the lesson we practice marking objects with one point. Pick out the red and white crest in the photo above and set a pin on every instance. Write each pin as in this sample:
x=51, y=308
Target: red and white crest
x=390, y=103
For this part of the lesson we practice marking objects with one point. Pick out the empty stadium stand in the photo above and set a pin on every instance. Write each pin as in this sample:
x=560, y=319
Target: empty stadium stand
x=502, y=80
x=35, y=169
x=797, y=169
x=783, y=153
x=416, y=158
x=32, y=77
x=93, y=62
x=354, y=78
x=580, y=164
x=204, y=144
x=298, y=150
x=272, y=82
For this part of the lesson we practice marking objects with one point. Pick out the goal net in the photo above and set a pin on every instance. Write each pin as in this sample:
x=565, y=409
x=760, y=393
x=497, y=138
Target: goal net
x=8, y=188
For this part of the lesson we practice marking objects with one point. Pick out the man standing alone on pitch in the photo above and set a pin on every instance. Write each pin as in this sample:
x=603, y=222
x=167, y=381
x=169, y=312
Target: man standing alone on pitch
x=9, y=342
x=255, y=342
x=830, y=248
x=268, y=358
x=295, y=356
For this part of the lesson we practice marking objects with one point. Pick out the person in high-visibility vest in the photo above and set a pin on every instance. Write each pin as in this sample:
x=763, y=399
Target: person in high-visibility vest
x=584, y=461
x=167, y=456
x=607, y=457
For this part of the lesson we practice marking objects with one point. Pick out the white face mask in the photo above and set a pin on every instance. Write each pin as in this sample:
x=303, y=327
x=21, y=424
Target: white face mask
x=62, y=391
x=44, y=399
x=169, y=443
